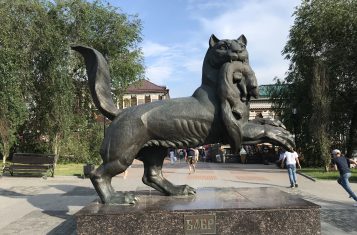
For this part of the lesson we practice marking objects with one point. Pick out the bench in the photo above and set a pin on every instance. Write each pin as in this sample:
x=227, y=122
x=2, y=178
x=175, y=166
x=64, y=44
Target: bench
x=32, y=163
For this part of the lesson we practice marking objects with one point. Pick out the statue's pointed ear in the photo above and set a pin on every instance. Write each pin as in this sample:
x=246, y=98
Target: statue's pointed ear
x=243, y=39
x=213, y=40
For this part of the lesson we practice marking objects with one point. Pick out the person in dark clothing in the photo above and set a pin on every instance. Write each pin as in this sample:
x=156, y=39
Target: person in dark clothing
x=342, y=165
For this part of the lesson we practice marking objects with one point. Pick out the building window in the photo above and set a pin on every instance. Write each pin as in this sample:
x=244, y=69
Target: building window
x=126, y=103
x=147, y=99
x=133, y=101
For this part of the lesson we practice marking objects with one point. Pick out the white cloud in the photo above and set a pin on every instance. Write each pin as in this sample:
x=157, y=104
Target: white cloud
x=265, y=23
x=193, y=65
x=154, y=49
x=265, y=74
x=159, y=74
x=172, y=63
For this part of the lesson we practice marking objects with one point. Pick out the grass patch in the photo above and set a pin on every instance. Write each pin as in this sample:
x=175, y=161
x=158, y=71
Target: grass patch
x=319, y=173
x=71, y=169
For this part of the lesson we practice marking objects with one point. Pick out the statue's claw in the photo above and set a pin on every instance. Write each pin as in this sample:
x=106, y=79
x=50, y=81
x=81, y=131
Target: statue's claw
x=281, y=137
x=264, y=130
x=120, y=198
x=189, y=190
x=183, y=190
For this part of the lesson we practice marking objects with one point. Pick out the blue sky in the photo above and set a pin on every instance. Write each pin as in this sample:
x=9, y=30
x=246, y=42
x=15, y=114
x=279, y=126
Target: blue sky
x=176, y=33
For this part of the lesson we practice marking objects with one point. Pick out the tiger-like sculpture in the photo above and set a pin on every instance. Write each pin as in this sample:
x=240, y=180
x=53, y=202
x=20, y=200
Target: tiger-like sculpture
x=217, y=112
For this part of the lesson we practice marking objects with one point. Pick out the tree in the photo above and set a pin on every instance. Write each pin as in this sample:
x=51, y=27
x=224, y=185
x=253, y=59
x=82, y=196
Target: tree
x=48, y=79
x=15, y=69
x=322, y=76
x=115, y=35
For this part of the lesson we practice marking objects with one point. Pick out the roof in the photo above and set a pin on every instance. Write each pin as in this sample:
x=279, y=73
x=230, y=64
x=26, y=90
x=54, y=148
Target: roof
x=145, y=86
x=264, y=90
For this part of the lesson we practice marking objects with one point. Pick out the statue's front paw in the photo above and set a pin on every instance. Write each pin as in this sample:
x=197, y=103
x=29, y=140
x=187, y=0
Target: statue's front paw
x=120, y=198
x=183, y=190
x=280, y=136
x=188, y=190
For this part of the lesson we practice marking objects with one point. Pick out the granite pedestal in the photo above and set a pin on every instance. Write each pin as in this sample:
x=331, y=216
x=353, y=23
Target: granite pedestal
x=210, y=211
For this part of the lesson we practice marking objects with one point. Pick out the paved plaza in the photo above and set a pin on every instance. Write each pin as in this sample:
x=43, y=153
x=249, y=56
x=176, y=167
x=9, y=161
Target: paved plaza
x=31, y=205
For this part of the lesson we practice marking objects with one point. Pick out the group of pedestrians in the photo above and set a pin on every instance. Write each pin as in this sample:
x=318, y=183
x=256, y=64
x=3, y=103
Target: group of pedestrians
x=290, y=159
x=190, y=155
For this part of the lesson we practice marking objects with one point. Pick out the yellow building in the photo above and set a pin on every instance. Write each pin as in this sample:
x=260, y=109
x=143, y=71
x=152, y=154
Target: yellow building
x=142, y=92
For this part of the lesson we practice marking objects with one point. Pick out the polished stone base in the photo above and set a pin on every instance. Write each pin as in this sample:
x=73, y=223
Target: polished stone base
x=211, y=211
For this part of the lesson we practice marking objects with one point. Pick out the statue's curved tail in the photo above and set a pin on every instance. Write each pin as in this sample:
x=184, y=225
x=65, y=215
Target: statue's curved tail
x=99, y=80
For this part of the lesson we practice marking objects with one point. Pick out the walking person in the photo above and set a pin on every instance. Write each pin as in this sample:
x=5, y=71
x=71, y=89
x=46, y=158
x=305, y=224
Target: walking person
x=172, y=155
x=341, y=163
x=182, y=154
x=243, y=155
x=291, y=159
x=191, y=159
x=281, y=153
x=203, y=155
x=197, y=154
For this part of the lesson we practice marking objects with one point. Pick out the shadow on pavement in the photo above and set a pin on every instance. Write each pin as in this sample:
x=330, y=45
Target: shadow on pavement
x=53, y=207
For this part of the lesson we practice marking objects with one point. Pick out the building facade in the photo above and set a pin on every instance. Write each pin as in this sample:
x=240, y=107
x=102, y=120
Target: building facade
x=262, y=106
x=142, y=92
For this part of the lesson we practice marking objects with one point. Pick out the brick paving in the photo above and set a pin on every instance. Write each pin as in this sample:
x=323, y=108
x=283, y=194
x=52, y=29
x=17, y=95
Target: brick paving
x=39, y=206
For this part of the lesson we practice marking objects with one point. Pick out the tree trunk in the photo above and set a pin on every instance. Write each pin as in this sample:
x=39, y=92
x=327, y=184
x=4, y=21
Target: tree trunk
x=327, y=168
x=6, y=152
x=56, y=144
x=320, y=114
x=4, y=137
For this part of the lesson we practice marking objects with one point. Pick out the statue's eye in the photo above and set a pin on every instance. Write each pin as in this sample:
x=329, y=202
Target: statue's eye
x=223, y=47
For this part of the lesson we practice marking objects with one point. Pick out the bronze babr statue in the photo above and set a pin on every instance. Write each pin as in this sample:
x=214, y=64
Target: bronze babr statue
x=217, y=112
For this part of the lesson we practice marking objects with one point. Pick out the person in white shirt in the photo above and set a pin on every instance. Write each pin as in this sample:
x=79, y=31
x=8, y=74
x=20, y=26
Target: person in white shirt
x=172, y=156
x=197, y=154
x=243, y=155
x=291, y=159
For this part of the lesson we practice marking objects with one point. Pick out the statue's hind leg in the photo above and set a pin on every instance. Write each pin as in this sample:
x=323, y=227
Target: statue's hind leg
x=101, y=179
x=153, y=158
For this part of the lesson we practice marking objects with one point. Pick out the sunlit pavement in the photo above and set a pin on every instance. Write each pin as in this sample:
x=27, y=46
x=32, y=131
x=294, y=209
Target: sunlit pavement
x=46, y=206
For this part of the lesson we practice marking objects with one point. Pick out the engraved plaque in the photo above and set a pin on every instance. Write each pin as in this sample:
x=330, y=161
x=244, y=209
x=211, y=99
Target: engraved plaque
x=200, y=224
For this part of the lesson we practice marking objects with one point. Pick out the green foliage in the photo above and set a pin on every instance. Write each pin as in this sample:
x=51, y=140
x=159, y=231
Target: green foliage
x=14, y=69
x=69, y=169
x=83, y=146
x=323, y=35
x=321, y=174
x=44, y=99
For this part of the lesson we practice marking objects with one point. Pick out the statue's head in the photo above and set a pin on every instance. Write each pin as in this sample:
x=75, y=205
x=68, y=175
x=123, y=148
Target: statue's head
x=222, y=51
